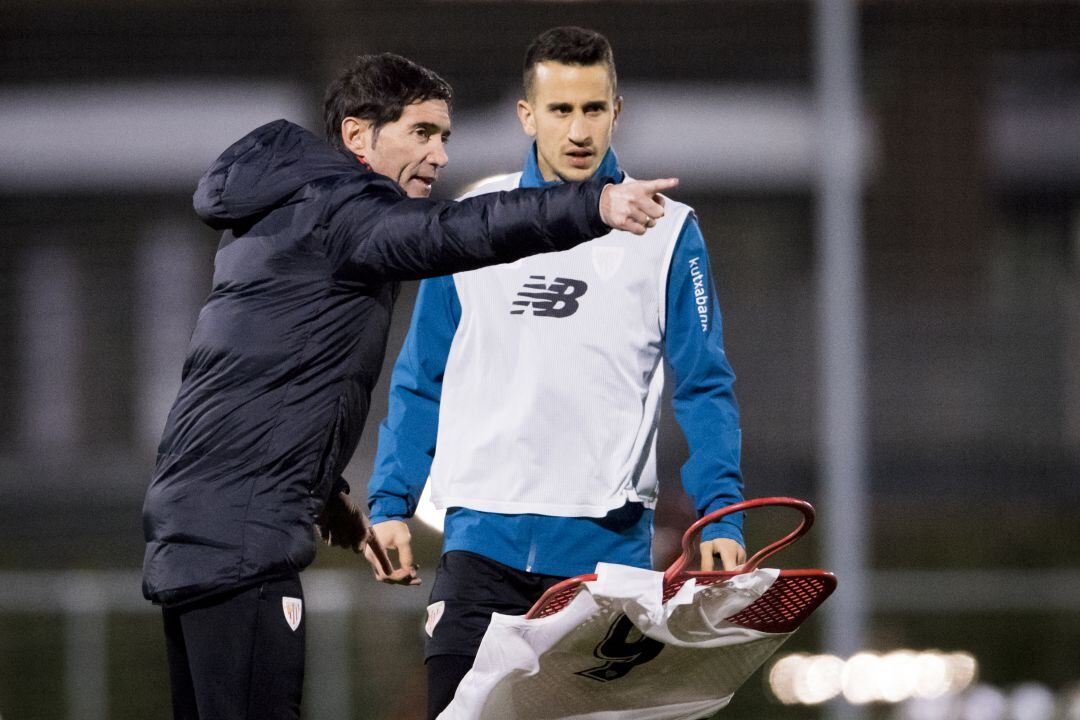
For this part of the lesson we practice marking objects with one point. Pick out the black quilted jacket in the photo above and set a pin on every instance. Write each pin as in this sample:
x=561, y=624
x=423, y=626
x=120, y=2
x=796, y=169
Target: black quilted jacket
x=277, y=380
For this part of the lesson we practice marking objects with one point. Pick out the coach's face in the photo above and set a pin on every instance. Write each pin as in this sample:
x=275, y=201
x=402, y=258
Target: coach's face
x=410, y=150
x=571, y=112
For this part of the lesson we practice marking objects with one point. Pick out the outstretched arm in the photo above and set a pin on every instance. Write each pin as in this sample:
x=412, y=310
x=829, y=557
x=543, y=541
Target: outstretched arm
x=388, y=237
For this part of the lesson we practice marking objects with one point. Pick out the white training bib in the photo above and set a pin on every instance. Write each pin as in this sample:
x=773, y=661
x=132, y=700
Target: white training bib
x=554, y=377
x=618, y=651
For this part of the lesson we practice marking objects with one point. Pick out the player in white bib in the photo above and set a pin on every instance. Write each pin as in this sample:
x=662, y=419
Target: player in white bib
x=528, y=394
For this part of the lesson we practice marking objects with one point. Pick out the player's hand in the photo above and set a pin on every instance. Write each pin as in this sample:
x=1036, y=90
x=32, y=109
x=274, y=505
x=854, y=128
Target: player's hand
x=394, y=535
x=731, y=554
x=634, y=205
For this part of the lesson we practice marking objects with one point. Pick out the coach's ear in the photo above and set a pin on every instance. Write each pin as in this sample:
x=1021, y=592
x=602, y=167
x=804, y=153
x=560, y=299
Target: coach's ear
x=357, y=135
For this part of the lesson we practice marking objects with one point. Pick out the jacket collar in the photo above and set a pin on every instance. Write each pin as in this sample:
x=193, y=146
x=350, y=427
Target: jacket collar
x=531, y=177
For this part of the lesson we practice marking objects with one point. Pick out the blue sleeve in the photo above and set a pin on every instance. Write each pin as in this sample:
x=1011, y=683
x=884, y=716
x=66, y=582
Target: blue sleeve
x=407, y=435
x=704, y=401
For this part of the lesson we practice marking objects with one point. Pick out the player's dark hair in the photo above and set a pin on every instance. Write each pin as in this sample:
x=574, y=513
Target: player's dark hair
x=377, y=88
x=570, y=46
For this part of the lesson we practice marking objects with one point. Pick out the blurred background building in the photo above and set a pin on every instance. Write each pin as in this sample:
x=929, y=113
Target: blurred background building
x=966, y=132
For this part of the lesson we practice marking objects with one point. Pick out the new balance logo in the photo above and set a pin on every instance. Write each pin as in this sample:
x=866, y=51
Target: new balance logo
x=559, y=299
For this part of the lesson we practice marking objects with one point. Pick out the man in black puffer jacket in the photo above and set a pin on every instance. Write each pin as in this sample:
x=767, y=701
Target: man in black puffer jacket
x=278, y=376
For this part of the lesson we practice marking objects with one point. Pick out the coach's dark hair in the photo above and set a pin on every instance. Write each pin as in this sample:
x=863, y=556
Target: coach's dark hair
x=569, y=46
x=377, y=88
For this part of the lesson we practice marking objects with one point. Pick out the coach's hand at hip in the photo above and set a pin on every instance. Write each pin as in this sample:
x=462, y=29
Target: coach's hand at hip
x=343, y=523
x=634, y=205
x=394, y=535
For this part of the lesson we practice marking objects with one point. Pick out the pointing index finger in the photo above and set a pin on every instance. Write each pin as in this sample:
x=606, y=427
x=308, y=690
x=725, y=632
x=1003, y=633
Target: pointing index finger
x=655, y=186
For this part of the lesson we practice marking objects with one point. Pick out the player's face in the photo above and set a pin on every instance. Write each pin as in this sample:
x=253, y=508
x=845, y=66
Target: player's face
x=571, y=112
x=412, y=149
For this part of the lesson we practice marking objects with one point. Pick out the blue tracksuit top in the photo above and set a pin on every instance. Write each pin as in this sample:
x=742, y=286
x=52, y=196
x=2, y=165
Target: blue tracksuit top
x=704, y=406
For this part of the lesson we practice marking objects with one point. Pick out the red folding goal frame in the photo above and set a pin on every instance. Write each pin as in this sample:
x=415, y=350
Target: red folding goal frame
x=781, y=609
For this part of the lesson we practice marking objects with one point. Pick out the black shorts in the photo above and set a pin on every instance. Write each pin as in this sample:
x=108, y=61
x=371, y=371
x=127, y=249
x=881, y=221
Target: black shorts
x=468, y=588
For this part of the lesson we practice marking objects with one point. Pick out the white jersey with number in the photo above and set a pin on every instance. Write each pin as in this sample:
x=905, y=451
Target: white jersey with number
x=618, y=652
x=551, y=394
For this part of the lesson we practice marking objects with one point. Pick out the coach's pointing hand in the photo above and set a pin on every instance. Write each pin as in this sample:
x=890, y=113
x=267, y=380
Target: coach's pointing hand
x=634, y=205
x=394, y=535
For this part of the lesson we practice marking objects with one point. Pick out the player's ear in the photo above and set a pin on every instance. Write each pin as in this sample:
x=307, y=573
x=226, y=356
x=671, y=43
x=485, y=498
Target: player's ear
x=616, y=108
x=357, y=135
x=527, y=118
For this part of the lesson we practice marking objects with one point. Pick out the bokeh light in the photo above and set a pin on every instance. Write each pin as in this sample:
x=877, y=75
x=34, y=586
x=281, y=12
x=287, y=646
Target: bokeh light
x=866, y=677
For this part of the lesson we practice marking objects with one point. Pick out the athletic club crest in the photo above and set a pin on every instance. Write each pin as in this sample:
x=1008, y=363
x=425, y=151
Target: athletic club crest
x=434, y=615
x=606, y=260
x=293, y=609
